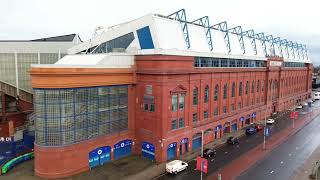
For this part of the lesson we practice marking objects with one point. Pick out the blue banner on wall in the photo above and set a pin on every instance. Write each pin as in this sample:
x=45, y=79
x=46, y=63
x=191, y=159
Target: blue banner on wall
x=123, y=144
x=242, y=119
x=148, y=150
x=184, y=141
x=172, y=145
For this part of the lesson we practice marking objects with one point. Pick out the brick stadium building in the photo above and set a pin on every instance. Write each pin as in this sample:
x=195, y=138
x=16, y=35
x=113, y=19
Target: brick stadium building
x=150, y=86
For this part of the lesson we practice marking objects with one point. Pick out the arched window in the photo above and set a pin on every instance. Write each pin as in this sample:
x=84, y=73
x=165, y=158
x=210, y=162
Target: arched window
x=252, y=87
x=262, y=85
x=206, y=94
x=225, y=91
x=216, y=92
x=240, y=89
x=258, y=86
x=247, y=87
x=195, y=96
x=233, y=89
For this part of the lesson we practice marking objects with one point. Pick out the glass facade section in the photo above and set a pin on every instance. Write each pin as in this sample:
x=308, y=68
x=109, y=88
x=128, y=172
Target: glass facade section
x=67, y=116
x=227, y=62
x=195, y=96
x=119, y=42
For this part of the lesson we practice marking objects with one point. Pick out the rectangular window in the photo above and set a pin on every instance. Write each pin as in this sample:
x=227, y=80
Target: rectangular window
x=252, y=102
x=216, y=62
x=205, y=114
x=232, y=107
x=215, y=112
x=239, y=62
x=232, y=63
x=194, y=117
x=181, y=122
x=152, y=108
x=145, y=107
x=239, y=105
x=247, y=103
x=174, y=102
x=174, y=124
x=181, y=102
x=245, y=63
x=224, y=109
x=224, y=63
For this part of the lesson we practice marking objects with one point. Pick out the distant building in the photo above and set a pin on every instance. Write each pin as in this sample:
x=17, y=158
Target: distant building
x=16, y=58
x=150, y=86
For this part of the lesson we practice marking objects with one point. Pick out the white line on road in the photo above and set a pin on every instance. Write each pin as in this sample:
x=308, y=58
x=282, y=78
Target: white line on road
x=290, y=154
x=281, y=162
x=226, y=152
x=212, y=160
x=271, y=172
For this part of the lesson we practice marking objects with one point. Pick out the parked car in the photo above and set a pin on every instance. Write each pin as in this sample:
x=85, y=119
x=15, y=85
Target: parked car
x=176, y=166
x=232, y=140
x=258, y=127
x=305, y=104
x=299, y=107
x=270, y=121
x=251, y=130
x=207, y=153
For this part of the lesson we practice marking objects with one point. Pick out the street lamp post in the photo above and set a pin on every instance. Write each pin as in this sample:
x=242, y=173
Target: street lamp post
x=265, y=126
x=201, y=151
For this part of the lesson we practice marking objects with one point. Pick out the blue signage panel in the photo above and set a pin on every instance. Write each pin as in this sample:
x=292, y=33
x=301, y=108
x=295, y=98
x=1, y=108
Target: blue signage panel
x=148, y=150
x=242, y=119
x=99, y=156
x=218, y=127
x=172, y=145
x=122, y=149
x=184, y=141
x=253, y=115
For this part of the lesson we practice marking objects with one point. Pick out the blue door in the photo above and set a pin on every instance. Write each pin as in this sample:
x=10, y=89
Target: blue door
x=234, y=127
x=99, y=156
x=171, y=151
x=196, y=142
x=148, y=150
x=122, y=149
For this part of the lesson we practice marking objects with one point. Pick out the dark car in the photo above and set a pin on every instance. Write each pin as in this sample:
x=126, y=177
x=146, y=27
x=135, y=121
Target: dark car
x=207, y=153
x=232, y=140
x=251, y=130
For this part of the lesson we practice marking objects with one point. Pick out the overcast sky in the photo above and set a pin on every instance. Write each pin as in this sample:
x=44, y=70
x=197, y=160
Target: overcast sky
x=295, y=20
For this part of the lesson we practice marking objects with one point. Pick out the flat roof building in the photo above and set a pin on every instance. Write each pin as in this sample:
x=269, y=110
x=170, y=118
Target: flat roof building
x=151, y=85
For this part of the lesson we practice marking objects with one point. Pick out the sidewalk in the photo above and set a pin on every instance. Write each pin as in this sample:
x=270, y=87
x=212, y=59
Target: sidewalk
x=303, y=172
x=244, y=162
x=156, y=170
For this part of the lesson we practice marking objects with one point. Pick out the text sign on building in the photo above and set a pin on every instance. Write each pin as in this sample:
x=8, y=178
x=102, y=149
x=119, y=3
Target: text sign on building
x=275, y=63
x=123, y=144
x=6, y=139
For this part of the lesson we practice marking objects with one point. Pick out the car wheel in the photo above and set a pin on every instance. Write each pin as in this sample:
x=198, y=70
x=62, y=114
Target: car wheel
x=175, y=172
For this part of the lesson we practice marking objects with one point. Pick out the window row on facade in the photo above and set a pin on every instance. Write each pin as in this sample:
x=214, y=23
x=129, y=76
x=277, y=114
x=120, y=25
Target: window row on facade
x=227, y=62
x=66, y=116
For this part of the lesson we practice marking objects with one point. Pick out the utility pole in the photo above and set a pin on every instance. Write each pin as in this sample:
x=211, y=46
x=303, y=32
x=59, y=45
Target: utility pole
x=201, y=151
x=264, y=133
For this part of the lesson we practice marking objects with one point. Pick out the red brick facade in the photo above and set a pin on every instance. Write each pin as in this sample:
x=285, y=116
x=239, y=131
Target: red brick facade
x=156, y=79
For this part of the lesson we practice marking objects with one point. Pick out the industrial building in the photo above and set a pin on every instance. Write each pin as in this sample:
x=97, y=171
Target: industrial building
x=152, y=85
x=16, y=57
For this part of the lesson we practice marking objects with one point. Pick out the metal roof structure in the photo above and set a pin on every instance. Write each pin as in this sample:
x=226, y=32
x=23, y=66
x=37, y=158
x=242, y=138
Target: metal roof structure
x=175, y=34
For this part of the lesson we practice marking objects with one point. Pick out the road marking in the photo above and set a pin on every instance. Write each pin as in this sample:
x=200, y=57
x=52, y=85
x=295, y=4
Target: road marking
x=281, y=162
x=226, y=152
x=271, y=172
x=237, y=146
x=290, y=154
x=297, y=148
x=212, y=160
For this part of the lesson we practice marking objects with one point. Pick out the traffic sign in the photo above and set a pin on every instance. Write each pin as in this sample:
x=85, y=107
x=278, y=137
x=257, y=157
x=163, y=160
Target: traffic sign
x=292, y=115
x=297, y=114
x=266, y=131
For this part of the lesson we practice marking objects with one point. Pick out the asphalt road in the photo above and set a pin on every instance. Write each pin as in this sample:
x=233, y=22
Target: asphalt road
x=228, y=153
x=284, y=159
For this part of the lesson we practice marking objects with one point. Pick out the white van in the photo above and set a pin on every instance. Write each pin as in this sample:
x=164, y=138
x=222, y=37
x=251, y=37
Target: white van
x=316, y=96
x=176, y=166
